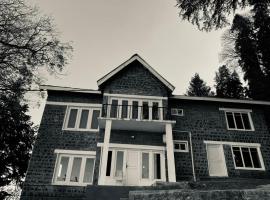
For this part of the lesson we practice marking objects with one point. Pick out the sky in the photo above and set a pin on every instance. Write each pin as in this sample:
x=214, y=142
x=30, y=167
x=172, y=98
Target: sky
x=105, y=33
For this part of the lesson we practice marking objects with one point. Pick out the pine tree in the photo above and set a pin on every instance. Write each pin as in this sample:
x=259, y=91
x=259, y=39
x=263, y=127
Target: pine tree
x=228, y=85
x=198, y=87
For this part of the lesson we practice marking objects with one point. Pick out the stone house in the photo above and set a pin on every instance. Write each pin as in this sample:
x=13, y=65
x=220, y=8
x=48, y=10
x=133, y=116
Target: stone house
x=133, y=131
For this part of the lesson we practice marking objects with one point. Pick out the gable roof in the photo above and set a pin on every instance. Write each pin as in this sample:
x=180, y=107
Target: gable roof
x=145, y=64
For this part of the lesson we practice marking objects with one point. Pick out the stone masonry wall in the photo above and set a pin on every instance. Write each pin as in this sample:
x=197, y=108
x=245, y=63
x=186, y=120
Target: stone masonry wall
x=135, y=79
x=206, y=122
x=50, y=137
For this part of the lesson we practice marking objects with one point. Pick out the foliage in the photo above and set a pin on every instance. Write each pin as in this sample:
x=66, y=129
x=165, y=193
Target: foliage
x=245, y=44
x=198, y=87
x=16, y=137
x=214, y=14
x=28, y=41
x=228, y=85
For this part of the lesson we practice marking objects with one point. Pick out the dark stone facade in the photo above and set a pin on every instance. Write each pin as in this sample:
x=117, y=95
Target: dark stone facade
x=206, y=122
x=135, y=80
x=203, y=119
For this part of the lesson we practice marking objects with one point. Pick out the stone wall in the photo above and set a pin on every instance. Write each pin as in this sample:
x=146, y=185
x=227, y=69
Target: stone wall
x=50, y=137
x=252, y=194
x=135, y=79
x=206, y=122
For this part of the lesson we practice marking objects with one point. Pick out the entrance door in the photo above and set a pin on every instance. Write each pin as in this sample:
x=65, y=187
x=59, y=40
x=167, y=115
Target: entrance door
x=216, y=160
x=132, y=171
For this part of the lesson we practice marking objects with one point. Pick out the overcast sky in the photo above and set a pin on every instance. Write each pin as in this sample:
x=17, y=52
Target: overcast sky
x=105, y=33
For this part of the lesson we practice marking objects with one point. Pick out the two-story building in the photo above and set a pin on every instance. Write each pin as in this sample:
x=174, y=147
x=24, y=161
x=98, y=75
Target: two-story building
x=133, y=131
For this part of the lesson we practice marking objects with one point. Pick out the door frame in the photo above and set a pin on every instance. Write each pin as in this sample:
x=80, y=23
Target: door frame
x=111, y=180
x=221, y=149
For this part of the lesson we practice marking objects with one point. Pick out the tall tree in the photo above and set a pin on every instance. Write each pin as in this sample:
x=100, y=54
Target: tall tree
x=215, y=14
x=228, y=85
x=198, y=87
x=28, y=41
x=241, y=44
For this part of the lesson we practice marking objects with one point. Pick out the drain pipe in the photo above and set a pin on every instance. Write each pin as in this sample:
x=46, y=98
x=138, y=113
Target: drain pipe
x=191, y=152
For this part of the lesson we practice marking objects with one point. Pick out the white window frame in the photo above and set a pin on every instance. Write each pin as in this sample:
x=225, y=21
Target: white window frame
x=177, y=112
x=248, y=168
x=72, y=154
x=246, y=111
x=181, y=142
x=140, y=104
x=78, y=118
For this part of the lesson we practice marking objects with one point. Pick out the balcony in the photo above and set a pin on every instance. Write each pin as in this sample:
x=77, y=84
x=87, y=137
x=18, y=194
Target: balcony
x=134, y=117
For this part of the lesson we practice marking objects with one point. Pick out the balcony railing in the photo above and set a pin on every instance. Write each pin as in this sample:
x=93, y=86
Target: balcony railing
x=135, y=112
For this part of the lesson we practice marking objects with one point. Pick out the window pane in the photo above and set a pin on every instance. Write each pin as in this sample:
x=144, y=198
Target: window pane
x=246, y=157
x=88, y=171
x=76, y=167
x=62, y=169
x=176, y=146
x=238, y=121
x=72, y=118
x=237, y=157
x=135, y=106
x=157, y=170
x=124, y=109
x=94, y=123
x=145, y=110
x=155, y=113
x=246, y=121
x=109, y=163
x=182, y=146
x=255, y=158
x=119, y=164
x=145, y=165
x=114, y=107
x=230, y=120
x=84, y=118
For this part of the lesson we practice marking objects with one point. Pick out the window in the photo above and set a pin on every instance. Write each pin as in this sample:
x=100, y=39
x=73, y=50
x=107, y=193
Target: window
x=247, y=157
x=239, y=120
x=73, y=169
x=119, y=164
x=145, y=165
x=180, y=146
x=177, y=112
x=82, y=118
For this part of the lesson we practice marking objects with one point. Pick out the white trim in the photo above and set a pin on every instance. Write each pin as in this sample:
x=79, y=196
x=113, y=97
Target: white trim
x=182, y=97
x=71, y=154
x=68, y=89
x=241, y=111
x=126, y=63
x=181, y=142
x=235, y=110
x=135, y=96
x=93, y=105
x=176, y=110
x=78, y=118
x=232, y=143
x=248, y=168
x=77, y=152
x=133, y=146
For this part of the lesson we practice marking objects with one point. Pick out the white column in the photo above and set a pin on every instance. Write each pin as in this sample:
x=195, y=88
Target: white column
x=104, y=155
x=170, y=153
